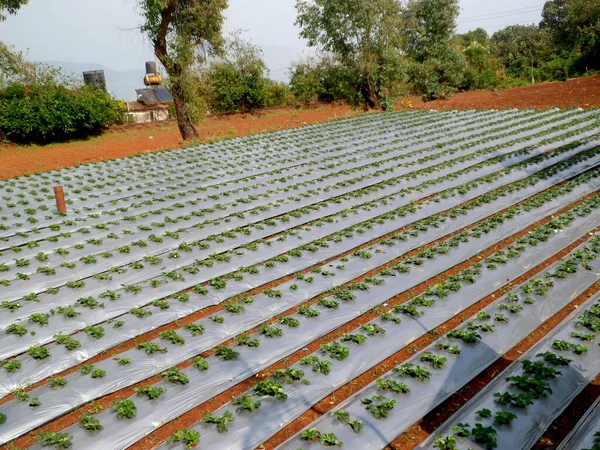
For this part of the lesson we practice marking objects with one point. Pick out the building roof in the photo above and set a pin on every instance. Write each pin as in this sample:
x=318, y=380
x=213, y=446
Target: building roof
x=137, y=106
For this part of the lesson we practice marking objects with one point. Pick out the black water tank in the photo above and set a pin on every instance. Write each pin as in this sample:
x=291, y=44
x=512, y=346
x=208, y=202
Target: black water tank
x=95, y=78
x=151, y=67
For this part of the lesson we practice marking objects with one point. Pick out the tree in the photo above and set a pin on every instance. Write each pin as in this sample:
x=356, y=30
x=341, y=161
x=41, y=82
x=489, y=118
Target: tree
x=183, y=32
x=320, y=79
x=520, y=48
x=479, y=36
x=437, y=69
x=238, y=80
x=574, y=27
x=14, y=66
x=366, y=37
x=10, y=7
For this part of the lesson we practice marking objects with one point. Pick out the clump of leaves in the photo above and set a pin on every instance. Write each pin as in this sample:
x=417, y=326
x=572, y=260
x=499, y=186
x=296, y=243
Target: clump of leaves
x=125, y=409
x=189, y=438
x=410, y=370
x=270, y=388
x=379, y=406
x=504, y=418
x=172, y=337
x=289, y=321
x=485, y=435
x=38, y=352
x=335, y=350
x=90, y=423
x=271, y=331
x=57, y=383
x=323, y=367
x=150, y=391
x=436, y=361
x=445, y=443
x=226, y=353
x=150, y=348
x=53, y=438
x=392, y=385
x=18, y=329
x=67, y=341
x=200, y=363
x=344, y=417
x=246, y=340
x=221, y=421
x=194, y=328
x=246, y=403
x=12, y=365
x=98, y=373
x=308, y=311
x=174, y=375
x=95, y=332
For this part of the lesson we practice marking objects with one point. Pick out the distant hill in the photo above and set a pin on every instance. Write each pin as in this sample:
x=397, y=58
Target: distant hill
x=121, y=84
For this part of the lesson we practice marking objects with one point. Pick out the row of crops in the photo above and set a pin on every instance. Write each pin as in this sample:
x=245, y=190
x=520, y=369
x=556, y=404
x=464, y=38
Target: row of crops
x=219, y=296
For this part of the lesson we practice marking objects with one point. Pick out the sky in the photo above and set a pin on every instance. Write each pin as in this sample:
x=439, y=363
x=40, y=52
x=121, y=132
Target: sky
x=104, y=34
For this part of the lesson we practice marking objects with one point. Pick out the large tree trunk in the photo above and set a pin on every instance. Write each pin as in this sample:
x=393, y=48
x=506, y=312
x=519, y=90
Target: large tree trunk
x=186, y=127
x=175, y=71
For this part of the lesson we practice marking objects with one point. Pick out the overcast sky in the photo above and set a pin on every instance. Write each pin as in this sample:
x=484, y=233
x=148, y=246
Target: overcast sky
x=103, y=32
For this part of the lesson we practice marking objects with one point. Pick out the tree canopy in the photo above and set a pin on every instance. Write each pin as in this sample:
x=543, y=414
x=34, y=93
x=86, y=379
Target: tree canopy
x=10, y=7
x=366, y=36
x=182, y=33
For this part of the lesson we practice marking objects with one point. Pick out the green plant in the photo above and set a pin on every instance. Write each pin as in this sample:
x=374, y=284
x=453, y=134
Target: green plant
x=289, y=321
x=37, y=352
x=67, y=341
x=95, y=332
x=194, y=328
x=200, y=363
x=150, y=391
x=310, y=434
x=150, y=348
x=221, y=421
x=392, y=385
x=246, y=403
x=410, y=370
x=504, y=418
x=172, y=336
x=12, y=365
x=98, y=373
x=484, y=435
x=53, y=438
x=174, y=375
x=335, y=350
x=190, y=438
x=226, y=353
x=445, y=443
x=90, y=423
x=436, y=361
x=484, y=413
x=330, y=440
x=270, y=388
x=57, y=383
x=125, y=409
x=461, y=429
x=379, y=406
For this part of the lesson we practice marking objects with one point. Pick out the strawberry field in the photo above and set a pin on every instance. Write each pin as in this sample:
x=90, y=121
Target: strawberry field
x=328, y=286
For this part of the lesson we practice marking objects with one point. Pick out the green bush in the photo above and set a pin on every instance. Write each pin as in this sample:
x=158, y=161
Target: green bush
x=438, y=77
x=321, y=80
x=49, y=111
x=277, y=94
